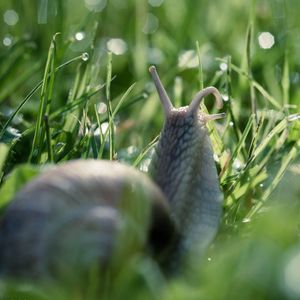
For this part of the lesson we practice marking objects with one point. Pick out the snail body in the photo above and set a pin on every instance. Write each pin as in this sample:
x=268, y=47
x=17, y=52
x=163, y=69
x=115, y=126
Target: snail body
x=85, y=212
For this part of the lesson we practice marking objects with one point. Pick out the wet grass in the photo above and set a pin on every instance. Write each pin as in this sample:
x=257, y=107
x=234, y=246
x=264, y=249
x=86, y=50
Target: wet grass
x=65, y=96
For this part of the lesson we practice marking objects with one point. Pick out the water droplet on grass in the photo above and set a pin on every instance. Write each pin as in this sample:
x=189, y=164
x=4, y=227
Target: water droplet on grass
x=85, y=56
x=225, y=97
x=223, y=66
x=79, y=36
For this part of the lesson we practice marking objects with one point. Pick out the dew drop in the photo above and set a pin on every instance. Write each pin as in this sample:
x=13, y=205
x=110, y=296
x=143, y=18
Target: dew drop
x=231, y=123
x=85, y=56
x=79, y=36
x=223, y=66
x=225, y=97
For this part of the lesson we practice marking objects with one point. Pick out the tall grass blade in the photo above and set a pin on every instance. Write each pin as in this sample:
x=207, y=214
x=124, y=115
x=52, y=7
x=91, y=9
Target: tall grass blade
x=46, y=93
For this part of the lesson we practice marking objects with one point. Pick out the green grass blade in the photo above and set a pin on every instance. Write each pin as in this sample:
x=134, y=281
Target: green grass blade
x=31, y=93
x=238, y=147
x=4, y=150
x=276, y=130
x=259, y=87
x=109, y=108
x=200, y=69
x=120, y=103
x=49, y=73
x=145, y=151
x=286, y=160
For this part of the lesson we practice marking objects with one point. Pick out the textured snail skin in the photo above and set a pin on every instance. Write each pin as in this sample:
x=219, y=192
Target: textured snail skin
x=184, y=168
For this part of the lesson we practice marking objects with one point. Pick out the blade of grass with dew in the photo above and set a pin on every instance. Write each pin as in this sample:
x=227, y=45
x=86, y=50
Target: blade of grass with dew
x=249, y=71
x=263, y=92
x=76, y=92
x=31, y=93
x=257, y=134
x=276, y=130
x=286, y=160
x=116, y=110
x=229, y=95
x=237, y=150
x=241, y=189
x=67, y=108
x=46, y=91
x=258, y=169
x=78, y=121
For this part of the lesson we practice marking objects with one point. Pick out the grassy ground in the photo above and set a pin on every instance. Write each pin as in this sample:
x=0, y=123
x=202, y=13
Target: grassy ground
x=62, y=62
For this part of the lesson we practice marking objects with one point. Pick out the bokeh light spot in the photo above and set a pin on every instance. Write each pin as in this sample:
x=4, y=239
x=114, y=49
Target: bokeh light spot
x=116, y=46
x=11, y=17
x=266, y=40
x=95, y=5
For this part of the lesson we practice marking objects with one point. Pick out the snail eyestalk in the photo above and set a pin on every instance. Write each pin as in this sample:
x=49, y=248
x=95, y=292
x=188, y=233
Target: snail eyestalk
x=163, y=96
x=213, y=117
x=203, y=93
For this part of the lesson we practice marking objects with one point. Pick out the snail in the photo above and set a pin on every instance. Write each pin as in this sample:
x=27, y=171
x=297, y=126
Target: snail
x=84, y=212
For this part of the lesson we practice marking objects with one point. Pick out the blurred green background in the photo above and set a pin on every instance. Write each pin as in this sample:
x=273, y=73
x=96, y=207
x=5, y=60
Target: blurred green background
x=248, y=49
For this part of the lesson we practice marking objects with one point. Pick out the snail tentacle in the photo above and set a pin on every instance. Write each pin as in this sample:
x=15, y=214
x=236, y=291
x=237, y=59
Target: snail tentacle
x=203, y=93
x=163, y=96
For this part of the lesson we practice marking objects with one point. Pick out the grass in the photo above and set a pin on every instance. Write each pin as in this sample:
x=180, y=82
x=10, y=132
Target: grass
x=63, y=97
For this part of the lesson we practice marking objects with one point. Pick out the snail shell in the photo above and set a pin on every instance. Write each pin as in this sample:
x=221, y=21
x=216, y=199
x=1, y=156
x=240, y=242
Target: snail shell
x=82, y=207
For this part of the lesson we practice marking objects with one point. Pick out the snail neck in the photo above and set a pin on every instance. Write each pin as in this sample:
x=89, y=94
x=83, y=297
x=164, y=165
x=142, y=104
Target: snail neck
x=183, y=167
